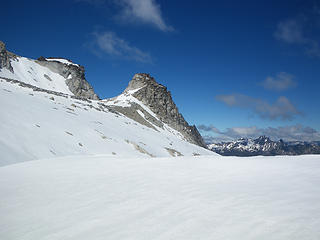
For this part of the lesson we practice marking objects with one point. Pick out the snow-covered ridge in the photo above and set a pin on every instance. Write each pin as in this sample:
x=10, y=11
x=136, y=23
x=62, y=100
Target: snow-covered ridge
x=143, y=92
x=48, y=125
x=63, y=60
x=56, y=113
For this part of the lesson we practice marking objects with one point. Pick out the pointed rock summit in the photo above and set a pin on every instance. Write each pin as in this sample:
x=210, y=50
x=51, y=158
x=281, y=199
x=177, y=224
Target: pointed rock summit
x=159, y=100
x=5, y=57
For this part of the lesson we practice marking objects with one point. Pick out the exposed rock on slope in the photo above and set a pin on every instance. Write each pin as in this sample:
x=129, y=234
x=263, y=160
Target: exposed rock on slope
x=55, y=74
x=159, y=100
x=74, y=75
x=5, y=57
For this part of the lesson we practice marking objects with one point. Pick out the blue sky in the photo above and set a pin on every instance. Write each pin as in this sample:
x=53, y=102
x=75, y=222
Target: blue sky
x=235, y=68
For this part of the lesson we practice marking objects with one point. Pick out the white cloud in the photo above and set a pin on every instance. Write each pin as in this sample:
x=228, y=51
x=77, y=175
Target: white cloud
x=287, y=133
x=282, y=108
x=143, y=11
x=110, y=44
x=292, y=31
x=280, y=82
x=135, y=11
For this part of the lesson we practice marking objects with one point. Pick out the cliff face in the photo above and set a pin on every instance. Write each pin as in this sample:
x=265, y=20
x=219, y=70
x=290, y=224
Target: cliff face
x=23, y=69
x=74, y=75
x=5, y=57
x=159, y=100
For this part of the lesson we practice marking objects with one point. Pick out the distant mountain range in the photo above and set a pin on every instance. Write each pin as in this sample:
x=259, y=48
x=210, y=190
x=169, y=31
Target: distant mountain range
x=264, y=146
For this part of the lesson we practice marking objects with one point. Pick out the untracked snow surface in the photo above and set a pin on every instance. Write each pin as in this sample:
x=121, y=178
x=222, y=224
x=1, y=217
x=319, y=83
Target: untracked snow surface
x=207, y=197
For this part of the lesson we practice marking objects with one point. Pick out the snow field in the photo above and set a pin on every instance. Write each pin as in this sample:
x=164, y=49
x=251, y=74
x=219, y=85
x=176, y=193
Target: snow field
x=206, y=197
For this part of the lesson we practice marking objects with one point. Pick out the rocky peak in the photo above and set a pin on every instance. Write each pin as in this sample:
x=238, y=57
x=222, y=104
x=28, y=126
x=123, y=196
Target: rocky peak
x=5, y=57
x=74, y=75
x=262, y=140
x=159, y=100
x=141, y=80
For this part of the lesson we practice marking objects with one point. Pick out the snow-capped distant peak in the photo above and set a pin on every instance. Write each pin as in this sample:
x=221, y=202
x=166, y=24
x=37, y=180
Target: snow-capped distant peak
x=263, y=146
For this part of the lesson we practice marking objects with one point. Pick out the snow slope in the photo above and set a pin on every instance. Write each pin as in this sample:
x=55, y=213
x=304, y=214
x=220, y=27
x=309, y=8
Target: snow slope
x=206, y=197
x=29, y=71
x=36, y=125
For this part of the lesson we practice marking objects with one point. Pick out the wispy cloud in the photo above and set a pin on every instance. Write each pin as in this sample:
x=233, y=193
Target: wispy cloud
x=109, y=43
x=287, y=133
x=313, y=49
x=282, y=108
x=292, y=31
x=209, y=128
x=135, y=11
x=142, y=11
x=282, y=81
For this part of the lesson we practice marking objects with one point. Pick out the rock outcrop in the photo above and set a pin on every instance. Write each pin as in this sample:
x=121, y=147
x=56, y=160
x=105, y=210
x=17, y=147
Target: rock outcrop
x=159, y=100
x=5, y=57
x=74, y=75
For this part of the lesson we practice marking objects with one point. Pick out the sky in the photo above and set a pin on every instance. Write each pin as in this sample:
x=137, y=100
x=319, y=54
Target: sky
x=234, y=68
